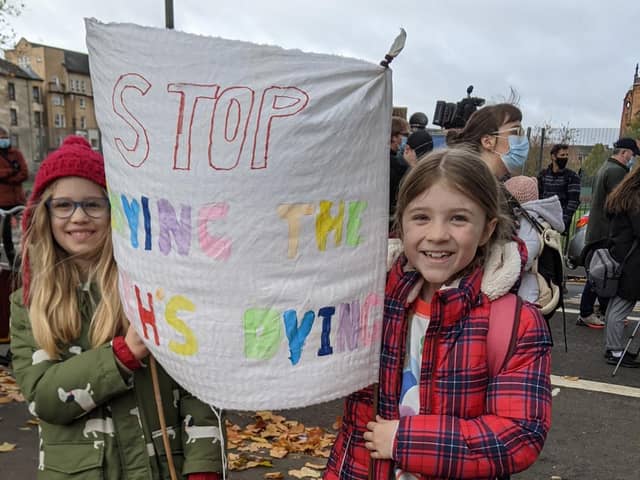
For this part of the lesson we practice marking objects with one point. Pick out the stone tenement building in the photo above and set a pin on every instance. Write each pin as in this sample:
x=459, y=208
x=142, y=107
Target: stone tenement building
x=631, y=104
x=21, y=110
x=67, y=92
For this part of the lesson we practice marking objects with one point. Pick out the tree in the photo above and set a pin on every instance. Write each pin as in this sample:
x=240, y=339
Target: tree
x=594, y=160
x=8, y=8
x=532, y=165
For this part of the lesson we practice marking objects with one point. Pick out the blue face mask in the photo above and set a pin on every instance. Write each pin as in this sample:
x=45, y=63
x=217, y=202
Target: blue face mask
x=517, y=155
x=5, y=142
x=631, y=162
x=403, y=143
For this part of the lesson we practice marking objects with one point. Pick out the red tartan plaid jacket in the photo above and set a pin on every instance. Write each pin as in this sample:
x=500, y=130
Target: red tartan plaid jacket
x=470, y=425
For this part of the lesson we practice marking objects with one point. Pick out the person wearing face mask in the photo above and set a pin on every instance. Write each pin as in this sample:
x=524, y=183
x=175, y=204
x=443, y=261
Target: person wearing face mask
x=610, y=174
x=398, y=167
x=559, y=180
x=418, y=145
x=13, y=172
x=496, y=133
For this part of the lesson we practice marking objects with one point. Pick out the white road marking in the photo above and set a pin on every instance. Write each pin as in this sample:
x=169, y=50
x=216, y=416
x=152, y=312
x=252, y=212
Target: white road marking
x=577, y=312
x=580, y=384
x=601, y=387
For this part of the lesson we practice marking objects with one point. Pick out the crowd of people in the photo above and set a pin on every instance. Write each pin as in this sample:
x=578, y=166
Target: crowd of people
x=465, y=222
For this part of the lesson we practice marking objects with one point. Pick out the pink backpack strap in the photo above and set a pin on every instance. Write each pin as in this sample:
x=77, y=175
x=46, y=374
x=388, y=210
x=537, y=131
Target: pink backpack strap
x=504, y=318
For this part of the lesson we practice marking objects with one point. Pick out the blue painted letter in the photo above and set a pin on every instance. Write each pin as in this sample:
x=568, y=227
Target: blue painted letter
x=297, y=335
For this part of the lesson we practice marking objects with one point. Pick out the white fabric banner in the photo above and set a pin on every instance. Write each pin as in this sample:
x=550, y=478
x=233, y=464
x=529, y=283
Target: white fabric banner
x=249, y=196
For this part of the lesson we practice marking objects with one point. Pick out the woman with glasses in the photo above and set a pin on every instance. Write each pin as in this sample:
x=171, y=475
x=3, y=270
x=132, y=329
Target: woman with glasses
x=76, y=358
x=496, y=133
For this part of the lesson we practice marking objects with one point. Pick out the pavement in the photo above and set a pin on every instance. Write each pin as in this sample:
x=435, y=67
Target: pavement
x=594, y=434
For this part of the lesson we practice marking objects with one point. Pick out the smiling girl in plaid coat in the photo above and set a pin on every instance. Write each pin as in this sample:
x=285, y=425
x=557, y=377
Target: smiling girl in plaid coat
x=440, y=414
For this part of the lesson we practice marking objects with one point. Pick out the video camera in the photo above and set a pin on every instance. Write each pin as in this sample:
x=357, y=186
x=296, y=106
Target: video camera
x=455, y=115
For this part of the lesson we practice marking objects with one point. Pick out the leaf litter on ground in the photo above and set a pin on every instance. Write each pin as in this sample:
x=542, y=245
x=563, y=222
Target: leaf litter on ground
x=9, y=390
x=271, y=436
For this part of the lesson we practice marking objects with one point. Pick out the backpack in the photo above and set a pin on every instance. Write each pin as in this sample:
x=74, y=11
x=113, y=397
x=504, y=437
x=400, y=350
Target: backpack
x=504, y=318
x=604, y=271
x=549, y=268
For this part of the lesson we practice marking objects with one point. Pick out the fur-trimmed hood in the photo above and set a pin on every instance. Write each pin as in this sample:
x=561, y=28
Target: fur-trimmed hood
x=501, y=270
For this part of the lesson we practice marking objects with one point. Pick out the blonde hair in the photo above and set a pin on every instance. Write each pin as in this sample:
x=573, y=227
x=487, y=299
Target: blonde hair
x=463, y=170
x=53, y=302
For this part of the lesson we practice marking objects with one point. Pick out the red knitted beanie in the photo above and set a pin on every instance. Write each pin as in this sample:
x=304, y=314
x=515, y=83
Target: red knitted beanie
x=74, y=158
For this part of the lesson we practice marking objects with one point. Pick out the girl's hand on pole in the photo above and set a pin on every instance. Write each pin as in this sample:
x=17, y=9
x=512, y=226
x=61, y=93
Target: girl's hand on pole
x=135, y=344
x=380, y=438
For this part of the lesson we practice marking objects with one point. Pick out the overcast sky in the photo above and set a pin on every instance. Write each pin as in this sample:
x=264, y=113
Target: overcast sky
x=570, y=61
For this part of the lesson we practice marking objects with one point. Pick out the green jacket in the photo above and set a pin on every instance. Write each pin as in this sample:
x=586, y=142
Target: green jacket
x=610, y=174
x=98, y=421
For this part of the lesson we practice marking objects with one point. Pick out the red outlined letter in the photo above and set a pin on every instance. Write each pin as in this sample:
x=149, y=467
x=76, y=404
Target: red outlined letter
x=231, y=117
x=189, y=93
x=147, y=316
x=277, y=102
x=134, y=156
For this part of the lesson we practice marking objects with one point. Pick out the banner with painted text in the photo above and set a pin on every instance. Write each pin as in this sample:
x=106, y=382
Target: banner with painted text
x=249, y=198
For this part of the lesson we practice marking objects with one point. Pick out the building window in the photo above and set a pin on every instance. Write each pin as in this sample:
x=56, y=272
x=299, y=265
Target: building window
x=11, y=90
x=94, y=143
x=37, y=119
x=82, y=86
x=14, y=116
x=24, y=61
x=83, y=102
x=57, y=100
x=35, y=92
x=15, y=141
x=59, y=120
x=83, y=123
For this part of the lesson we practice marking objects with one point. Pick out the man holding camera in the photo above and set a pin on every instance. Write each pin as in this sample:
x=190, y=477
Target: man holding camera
x=13, y=171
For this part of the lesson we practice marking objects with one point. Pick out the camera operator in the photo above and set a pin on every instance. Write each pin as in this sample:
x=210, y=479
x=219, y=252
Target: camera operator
x=13, y=171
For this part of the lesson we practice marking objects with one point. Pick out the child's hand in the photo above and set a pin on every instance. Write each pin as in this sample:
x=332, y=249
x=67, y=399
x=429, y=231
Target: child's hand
x=135, y=344
x=380, y=437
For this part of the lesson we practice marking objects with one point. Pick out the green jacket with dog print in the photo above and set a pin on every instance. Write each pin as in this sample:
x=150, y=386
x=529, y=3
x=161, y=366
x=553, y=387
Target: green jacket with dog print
x=98, y=421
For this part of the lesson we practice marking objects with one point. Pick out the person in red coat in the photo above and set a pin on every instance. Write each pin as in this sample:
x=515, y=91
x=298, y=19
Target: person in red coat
x=437, y=412
x=13, y=172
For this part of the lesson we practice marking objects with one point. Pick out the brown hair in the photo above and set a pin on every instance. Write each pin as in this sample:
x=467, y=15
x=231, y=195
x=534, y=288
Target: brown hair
x=398, y=125
x=465, y=171
x=557, y=147
x=485, y=121
x=625, y=198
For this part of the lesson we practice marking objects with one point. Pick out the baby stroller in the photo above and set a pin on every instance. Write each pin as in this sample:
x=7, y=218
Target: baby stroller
x=9, y=267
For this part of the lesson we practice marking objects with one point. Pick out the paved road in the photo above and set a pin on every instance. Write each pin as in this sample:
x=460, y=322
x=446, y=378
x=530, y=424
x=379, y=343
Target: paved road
x=594, y=434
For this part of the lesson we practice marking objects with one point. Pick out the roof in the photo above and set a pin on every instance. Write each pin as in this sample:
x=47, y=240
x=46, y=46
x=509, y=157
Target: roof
x=12, y=70
x=76, y=62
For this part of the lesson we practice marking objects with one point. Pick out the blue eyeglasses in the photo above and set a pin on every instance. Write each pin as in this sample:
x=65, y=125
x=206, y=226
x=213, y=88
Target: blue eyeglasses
x=63, y=208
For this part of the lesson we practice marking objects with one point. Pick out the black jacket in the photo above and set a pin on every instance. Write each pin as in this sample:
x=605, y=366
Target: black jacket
x=397, y=171
x=624, y=229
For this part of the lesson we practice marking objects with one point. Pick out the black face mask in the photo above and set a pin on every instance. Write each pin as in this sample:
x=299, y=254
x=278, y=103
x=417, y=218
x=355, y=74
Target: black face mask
x=561, y=162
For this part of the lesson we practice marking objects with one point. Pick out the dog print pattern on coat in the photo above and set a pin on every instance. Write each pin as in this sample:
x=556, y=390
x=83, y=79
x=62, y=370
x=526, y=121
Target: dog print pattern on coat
x=195, y=432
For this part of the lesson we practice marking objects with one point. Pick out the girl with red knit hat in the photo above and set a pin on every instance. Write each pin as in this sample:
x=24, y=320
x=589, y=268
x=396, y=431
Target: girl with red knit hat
x=77, y=359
